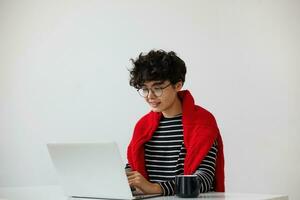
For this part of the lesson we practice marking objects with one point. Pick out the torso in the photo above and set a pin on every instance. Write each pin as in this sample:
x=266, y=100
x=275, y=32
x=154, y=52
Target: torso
x=165, y=151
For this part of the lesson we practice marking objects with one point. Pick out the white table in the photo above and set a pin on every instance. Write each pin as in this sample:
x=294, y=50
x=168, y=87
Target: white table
x=56, y=193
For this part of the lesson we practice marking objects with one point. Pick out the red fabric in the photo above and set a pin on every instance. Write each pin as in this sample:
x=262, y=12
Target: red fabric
x=200, y=130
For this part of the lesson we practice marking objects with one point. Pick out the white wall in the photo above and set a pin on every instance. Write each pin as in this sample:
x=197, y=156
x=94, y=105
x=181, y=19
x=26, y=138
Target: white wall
x=63, y=77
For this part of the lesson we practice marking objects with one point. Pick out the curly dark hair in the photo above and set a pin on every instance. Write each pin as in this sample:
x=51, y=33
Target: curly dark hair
x=157, y=65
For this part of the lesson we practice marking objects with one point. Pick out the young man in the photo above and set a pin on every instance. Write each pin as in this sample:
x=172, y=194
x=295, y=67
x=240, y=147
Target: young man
x=176, y=136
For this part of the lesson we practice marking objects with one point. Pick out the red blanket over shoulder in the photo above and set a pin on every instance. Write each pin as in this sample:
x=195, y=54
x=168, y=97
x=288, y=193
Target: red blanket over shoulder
x=200, y=130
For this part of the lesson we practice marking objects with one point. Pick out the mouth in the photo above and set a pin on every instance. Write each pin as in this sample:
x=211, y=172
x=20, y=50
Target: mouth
x=154, y=105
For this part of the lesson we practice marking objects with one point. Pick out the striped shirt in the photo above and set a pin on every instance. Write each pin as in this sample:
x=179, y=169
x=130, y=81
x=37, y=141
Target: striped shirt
x=165, y=153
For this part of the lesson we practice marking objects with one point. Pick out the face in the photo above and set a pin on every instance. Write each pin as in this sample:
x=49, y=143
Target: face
x=168, y=102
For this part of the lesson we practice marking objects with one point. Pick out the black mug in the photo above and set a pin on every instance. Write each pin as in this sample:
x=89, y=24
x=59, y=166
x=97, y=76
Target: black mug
x=187, y=186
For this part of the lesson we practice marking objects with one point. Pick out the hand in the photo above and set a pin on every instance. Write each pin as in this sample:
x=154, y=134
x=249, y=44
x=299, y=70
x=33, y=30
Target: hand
x=135, y=179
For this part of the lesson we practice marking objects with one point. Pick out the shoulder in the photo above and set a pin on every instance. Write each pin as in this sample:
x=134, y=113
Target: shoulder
x=150, y=119
x=145, y=126
x=145, y=120
x=203, y=116
x=192, y=113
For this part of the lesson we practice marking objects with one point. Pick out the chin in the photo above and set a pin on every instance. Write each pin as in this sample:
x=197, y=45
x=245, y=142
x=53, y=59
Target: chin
x=156, y=109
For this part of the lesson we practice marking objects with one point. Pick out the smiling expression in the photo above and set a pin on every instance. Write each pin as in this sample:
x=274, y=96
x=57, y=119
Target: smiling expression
x=168, y=103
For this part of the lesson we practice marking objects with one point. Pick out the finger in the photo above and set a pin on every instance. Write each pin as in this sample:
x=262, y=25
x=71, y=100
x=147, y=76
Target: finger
x=134, y=181
x=133, y=175
x=130, y=178
x=130, y=183
x=129, y=173
x=132, y=172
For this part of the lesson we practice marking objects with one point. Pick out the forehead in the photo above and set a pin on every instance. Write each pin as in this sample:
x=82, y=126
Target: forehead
x=153, y=83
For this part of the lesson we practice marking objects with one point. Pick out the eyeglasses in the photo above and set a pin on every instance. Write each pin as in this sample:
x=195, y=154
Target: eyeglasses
x=157, y=91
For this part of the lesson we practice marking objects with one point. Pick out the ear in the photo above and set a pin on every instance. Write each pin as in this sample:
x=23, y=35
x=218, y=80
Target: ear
x=178, y=86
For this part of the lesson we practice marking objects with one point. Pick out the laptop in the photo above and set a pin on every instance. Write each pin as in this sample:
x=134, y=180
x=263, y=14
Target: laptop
x=91, y=171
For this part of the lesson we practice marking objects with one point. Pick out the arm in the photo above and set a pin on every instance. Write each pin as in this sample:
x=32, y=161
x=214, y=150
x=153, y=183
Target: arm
x=205, y=173
x=206, y=170
x=136, y=180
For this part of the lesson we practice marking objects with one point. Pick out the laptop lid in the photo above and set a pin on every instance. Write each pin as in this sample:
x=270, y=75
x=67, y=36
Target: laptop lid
x=92, y=170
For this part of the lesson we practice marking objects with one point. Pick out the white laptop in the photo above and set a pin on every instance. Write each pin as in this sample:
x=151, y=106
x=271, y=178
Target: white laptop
x=91, y=170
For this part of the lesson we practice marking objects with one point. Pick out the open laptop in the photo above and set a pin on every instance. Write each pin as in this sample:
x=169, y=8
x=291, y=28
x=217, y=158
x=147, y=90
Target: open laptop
x=91, y=171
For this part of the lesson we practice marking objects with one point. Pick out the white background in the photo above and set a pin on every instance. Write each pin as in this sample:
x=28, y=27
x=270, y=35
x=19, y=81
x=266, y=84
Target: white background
x=64, y=78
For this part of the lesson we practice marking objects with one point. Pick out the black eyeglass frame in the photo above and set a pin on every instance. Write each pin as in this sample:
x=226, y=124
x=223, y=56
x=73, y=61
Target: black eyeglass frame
x=141, y=93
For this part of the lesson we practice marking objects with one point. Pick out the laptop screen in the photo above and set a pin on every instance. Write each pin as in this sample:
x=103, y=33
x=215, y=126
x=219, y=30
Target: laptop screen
x=90, y=170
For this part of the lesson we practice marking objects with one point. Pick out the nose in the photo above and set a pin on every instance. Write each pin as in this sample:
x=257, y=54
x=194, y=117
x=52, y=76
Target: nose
x=151, y=95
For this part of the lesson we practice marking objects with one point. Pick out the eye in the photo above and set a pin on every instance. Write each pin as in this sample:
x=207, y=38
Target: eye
x=156, y=89
x=145, y=90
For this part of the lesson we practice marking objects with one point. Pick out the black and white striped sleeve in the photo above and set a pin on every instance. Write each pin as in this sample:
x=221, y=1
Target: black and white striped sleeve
x=205, y=173
x=127, y=166
x=168, y=187
x=206, y=170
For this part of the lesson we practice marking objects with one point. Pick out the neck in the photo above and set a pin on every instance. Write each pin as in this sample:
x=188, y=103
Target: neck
x=174, y=110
